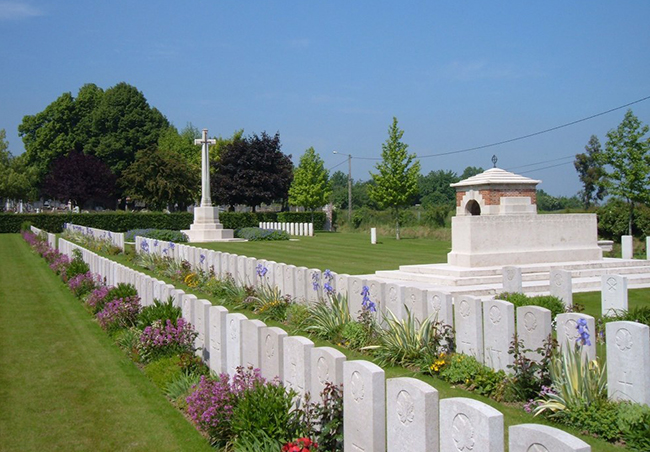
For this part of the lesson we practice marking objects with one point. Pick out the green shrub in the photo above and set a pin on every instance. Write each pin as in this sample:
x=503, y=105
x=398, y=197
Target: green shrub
x=297, y=316
x=327, y=320
x=640, y=314
x=599, y=418
x=164, y=371
x=77, y=265
x=266, y=407
x=356, y=335
x=553, y=304
x=159, y=311
x=634, y=424
x=122, y=290
x=461, y=369
x=258, y=235
x=181, y=385
x=409, y=341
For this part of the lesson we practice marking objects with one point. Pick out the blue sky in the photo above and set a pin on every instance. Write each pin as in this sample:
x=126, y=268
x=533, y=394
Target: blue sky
x=332, y=74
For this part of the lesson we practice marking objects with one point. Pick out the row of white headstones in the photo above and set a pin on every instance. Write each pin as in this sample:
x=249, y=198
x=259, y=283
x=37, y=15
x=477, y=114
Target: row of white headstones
x=394, y=414
x=483, y=329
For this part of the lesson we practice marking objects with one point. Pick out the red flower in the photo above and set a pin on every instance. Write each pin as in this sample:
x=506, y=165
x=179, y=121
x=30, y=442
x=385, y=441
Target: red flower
x=301, y=445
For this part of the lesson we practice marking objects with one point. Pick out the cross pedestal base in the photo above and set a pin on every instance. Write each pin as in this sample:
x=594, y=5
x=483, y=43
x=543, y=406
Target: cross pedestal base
x=206, y=227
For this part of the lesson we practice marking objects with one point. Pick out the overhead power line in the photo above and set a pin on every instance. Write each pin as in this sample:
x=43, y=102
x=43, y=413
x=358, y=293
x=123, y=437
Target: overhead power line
x=523, y=137
x=540, y=163
x=545, y=167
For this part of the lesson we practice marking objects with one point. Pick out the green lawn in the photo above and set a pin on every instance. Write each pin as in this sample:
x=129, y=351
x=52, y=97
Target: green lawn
x=343, y=253
x=63, y=384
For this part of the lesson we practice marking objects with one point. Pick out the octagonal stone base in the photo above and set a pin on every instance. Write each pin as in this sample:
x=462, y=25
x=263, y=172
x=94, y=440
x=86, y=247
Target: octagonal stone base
x=206, y=227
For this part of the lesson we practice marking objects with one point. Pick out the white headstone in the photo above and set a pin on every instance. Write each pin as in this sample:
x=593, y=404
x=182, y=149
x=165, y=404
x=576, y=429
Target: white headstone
x=533, y=328
x=187, y=308
x=395, y=297
x=279, y=277
x=241, y=270
x=415, y=299
x=218, y=330
x=512, y=282
x=251, y=271
x=326, y=366
x=341, y=286
x=542, y=438
x=411, y=415
x=440, y=307
x=470, y=425
x=251, y=350
x=498, y=330
x=355, y=285
x=202, y=317
x=627, y=247
x=613, y=294
x=177, y=295
x=560, y=286
x=301, y=284
x=468, y=319
x=364, y=405
x=272, y=352
x=315, y=284
x=373, y=236
x=297, y=363
x=289, y=280
x=628, y=361
x=233, y=342
x=566, y=326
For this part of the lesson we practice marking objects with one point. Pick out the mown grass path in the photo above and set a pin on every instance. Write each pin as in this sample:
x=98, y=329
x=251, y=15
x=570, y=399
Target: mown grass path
x=63, y=384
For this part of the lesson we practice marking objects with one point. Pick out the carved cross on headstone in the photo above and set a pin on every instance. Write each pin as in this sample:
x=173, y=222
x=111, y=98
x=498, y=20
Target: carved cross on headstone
x=205, y=167
x=626, y=384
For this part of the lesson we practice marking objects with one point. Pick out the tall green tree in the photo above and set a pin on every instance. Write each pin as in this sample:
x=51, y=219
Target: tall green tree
x=311, y=187
x=396, y=183
x=17, y=180
x=627, y=156
x=112, y=125
x=590, y=172
x=252, y=171
x=161, y=178
x=436, y=190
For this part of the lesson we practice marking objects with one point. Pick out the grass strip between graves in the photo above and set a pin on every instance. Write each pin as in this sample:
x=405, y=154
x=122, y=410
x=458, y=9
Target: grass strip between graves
x=63, y=384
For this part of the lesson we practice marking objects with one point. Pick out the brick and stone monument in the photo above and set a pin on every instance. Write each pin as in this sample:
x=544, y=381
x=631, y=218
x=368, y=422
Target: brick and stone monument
x=496, y=224
x=206, y=226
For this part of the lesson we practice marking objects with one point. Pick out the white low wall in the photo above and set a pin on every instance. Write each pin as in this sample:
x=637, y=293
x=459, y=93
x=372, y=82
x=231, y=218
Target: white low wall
x=116, y=238
x=297, y=229
x=498, y=240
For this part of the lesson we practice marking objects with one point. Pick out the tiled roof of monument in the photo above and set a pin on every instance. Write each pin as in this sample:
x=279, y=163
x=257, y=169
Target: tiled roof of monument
x=495, y=176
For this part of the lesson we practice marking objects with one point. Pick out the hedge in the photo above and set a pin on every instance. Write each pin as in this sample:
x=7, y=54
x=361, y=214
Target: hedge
x=124, y=221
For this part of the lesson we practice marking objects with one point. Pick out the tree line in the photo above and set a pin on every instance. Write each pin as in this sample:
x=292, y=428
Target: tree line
x=108, y=147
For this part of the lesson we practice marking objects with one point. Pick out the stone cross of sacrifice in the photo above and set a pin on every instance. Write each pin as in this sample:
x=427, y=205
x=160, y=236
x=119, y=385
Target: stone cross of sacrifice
x=205, y=168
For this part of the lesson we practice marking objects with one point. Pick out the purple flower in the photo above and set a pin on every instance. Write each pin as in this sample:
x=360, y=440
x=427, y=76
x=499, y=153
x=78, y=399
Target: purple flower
x=261, y=270
x=315, y=281
x=583, y=332
x=144, y=246
x=366, y=303
x=202, y=259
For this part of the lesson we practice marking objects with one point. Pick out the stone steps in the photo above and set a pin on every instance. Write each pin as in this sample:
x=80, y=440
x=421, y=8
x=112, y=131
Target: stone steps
x=487, y=282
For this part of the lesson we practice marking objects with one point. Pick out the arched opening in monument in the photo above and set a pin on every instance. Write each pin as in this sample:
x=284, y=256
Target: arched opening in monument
x=473, y=208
